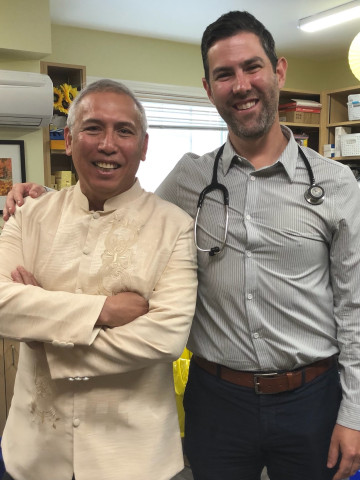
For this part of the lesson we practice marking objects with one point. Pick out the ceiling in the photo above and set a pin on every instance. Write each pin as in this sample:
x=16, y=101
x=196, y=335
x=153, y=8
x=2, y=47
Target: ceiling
x=185, y=21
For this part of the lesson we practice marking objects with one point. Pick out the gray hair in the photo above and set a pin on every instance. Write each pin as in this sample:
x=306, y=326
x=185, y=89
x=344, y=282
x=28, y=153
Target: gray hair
x=106, y=85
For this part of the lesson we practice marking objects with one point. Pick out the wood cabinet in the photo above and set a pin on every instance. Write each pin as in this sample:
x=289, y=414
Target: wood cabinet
x=336, y=115
x=9, y=356
x=75, y=75
x=312, y=130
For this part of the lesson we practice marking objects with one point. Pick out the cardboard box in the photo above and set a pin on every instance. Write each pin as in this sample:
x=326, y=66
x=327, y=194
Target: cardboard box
x=299, y=117
x=63, y=176
x=62, y=184
x=57, y=144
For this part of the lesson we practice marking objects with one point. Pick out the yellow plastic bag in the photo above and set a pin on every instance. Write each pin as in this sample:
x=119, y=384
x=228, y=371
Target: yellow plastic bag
x=181, y=373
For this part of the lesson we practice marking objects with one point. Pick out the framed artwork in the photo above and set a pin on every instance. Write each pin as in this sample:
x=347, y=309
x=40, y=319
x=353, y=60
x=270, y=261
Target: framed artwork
x=12, y=166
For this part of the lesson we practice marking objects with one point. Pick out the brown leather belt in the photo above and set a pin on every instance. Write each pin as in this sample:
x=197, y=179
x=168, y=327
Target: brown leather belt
x=269, y=382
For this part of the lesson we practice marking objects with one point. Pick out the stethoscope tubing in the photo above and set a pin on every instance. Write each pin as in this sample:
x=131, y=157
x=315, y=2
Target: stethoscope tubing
x=314, y=195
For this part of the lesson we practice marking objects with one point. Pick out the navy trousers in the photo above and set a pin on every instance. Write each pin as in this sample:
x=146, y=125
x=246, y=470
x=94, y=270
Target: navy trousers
x=231, y=432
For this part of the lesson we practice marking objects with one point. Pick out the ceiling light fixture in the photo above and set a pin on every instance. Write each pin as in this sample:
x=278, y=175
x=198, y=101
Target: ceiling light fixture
x=354, y=56
x=329, y=18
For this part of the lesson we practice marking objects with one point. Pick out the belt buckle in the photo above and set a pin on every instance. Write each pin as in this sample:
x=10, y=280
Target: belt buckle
x=257, y=384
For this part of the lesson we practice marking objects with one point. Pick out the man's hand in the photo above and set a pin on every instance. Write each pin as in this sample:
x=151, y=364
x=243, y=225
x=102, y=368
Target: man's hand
x=20, y=275
x=17, y=194
x=344, y=441
x=121, y=309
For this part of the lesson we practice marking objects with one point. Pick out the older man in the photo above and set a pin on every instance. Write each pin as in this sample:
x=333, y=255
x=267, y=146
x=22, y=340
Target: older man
x=103, y=298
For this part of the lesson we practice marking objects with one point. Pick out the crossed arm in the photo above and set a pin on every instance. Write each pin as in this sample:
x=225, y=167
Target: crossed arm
x=118, y=310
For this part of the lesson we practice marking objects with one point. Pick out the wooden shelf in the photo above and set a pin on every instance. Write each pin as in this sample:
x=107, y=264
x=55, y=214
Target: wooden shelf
x=347, y=159
x=307, y=126
x=310, y=129
x=347, y=123
x=336, y=115
x=74, y=75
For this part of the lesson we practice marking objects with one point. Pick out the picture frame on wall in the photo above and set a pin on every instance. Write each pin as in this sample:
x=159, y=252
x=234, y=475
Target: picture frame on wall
x=12, y=166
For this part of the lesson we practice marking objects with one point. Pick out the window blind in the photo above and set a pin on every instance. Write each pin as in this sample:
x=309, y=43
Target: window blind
x=172, y=106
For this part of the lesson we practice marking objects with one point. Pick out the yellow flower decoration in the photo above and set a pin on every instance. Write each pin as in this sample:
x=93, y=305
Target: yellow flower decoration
x=58, y=98
x=63, y=96
x=69, y=92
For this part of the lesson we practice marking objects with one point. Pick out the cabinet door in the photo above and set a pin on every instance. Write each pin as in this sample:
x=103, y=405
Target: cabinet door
x=2, y=387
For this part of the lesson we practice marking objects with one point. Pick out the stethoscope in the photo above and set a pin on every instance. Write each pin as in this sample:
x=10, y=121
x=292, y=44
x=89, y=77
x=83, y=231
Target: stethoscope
x=314, y=195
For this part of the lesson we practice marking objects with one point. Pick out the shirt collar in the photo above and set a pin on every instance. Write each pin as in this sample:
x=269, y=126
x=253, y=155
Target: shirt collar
x=113, y=203
x=287, y=158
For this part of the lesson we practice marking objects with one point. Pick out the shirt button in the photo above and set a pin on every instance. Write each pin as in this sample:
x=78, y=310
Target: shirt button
x=76, y=422
x=247, y=253
x=86, y=251
x=252, y=178
x=96, y=215
x=256, y=335
x=248, y=217
x=249, y=296
x=71, y=379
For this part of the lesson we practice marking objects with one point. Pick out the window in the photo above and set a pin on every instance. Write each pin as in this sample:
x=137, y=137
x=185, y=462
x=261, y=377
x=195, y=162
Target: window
x=174, y=130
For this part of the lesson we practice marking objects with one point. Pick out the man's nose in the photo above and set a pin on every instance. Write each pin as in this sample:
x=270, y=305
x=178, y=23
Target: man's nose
x=107, y=142
x=241, y=82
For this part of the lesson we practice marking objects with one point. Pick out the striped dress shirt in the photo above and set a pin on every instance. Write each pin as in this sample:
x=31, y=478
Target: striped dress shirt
x=285, y=290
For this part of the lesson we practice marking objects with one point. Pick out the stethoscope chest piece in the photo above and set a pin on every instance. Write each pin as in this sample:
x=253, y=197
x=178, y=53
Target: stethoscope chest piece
x=314, y=195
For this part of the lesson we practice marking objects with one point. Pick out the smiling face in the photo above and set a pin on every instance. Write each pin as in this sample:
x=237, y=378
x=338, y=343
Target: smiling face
x=106, y=143
x=243, y=85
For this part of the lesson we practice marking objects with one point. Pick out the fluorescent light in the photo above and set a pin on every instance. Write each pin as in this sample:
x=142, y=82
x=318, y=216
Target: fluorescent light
x=329, y=18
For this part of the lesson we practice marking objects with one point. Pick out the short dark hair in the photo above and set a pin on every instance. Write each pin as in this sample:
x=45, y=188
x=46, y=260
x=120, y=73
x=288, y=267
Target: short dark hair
x=229, y=25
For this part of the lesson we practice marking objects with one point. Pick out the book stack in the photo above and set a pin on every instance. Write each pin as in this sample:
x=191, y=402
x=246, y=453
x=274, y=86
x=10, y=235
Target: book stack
x=300, y=111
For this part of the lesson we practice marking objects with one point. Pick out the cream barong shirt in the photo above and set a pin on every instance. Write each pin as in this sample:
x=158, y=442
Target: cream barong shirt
x=97, y=402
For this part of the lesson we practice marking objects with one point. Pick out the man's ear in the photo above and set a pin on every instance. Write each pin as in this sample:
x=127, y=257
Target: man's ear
x=68, y=141
x=281, y=69
x=144, y=147
x=208, y=89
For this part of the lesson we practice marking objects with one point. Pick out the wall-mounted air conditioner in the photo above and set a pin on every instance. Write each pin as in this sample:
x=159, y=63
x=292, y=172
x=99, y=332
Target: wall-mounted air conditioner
x=26, y=99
